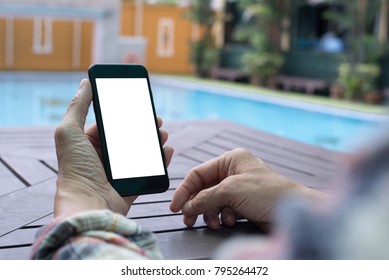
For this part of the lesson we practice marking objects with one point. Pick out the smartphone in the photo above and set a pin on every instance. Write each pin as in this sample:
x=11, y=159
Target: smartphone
x=131, y=146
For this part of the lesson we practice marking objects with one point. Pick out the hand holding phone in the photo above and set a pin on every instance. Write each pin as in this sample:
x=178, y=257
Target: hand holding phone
x=132, y=153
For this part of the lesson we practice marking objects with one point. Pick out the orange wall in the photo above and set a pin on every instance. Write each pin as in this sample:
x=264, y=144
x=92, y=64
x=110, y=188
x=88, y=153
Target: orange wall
x=179, y=62
x=26, y=59
x=61, y=57
x=128, y=19
x=86, y=44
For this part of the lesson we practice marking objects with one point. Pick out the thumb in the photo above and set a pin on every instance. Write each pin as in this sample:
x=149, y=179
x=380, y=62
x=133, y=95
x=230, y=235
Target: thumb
x=79, y=107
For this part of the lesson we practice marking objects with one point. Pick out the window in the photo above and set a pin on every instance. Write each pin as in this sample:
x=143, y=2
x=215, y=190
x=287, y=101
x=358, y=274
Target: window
x=165, y=40
x=43, y=35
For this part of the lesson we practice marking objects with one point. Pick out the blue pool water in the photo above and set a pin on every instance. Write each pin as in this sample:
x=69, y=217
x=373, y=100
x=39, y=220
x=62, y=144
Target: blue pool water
x=38, y=99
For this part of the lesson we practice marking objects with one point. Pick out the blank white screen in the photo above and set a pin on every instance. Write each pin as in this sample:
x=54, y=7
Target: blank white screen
x=129, y=125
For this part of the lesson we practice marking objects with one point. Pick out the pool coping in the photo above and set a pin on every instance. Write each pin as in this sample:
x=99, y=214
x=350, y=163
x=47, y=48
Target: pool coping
x=257, y=96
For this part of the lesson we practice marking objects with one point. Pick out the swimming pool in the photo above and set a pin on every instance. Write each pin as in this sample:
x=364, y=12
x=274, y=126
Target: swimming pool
x=42, y=98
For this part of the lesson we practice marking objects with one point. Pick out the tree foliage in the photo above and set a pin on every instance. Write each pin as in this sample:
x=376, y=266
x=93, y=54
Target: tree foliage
x=359, y=72
x=203, y=53
x=261, y=29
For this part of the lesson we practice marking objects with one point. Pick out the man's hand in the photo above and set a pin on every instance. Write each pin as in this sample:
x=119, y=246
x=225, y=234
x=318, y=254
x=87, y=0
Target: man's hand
x=236, y=185
x=82, y=184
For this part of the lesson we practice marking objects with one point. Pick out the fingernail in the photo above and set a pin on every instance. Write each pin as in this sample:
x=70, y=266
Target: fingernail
x=82, y=83
x=228, y=220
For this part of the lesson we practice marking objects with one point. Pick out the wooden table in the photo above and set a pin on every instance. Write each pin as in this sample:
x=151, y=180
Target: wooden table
x=28, y=171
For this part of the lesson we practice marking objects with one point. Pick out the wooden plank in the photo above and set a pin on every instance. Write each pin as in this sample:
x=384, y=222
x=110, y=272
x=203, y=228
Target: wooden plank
x=173, y=127
x=182, y=243
x=9, y=183
x=153, y=198
x=275, y=160
x=30, y=171
x=212, y=148
x=19, y=253
x=284, y=143
x=26, y=136
x=300, y=155
x=193, y=134
x=149, y=210
x=279, y=157
x=41, y=153
x=24, y=206
x=18, y=238
x=26, y=236
x=52, y=164
x=41, y=221
x=180, y=166
x=28, y=142
x=198, y=155
x=168, y=223
x=201, y=243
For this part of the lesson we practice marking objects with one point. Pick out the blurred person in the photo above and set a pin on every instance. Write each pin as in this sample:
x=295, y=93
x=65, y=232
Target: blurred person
x=90, y=217
x=329, y=42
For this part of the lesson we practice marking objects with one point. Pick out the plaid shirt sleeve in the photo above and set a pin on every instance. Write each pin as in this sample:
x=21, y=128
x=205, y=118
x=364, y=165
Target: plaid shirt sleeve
x=94, y=235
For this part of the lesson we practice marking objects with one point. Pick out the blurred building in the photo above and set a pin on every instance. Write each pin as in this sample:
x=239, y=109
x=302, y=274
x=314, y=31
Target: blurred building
x=167, y=31
x=69, y=35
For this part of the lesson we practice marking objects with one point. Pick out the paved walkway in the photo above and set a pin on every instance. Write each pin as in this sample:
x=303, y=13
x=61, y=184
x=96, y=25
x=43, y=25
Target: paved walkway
x=28, y=171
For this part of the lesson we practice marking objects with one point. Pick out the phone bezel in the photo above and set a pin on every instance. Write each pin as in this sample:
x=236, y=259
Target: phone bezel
x=127, y=186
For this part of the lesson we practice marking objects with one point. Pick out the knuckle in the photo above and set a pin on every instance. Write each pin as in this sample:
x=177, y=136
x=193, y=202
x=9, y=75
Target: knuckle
x=238, y=152
x=226, y=190
x=64, y=132
x=203, y=202
x=243, y=152
x=198, y=203
x=60, y=132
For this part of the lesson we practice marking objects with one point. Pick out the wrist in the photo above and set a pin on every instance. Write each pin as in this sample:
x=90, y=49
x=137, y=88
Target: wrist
x=74, y=197
x=313, y=194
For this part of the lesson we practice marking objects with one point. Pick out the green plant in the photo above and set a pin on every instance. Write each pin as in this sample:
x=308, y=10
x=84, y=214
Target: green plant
x=260, y=32
x=358, y=74
x=262, y=66
x=203, y=54
x=361, y=81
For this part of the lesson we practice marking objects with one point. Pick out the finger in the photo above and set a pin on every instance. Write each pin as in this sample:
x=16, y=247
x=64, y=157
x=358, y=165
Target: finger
x=93, y=135
x=160, y=122
x=212, y=220
x=189, y=221
x=210, y=200
x=199, y=178
x=228, y=217
x=164, y=136
x=79, y=106
x=168, y=151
